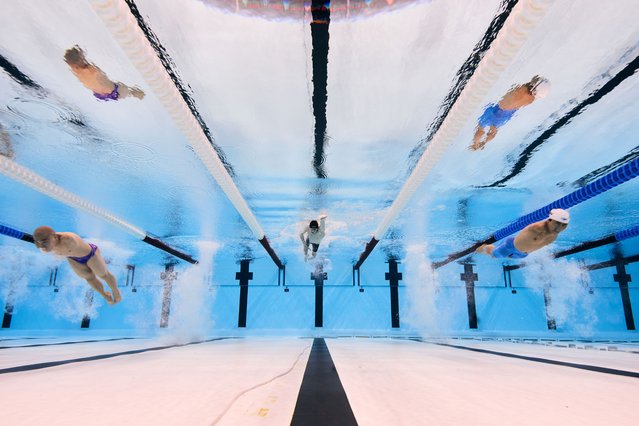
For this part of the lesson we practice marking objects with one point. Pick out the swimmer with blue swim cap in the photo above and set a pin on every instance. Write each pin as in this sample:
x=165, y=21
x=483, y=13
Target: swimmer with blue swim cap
x=531, y=238
x=496, y=115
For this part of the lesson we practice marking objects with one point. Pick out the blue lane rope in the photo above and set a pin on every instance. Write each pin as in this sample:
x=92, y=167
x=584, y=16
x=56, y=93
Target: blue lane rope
x=5, y=230
x=627, y=233
x=609, y=181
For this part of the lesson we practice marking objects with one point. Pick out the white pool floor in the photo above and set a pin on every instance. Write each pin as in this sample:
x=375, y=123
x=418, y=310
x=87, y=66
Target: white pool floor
x=256, y=381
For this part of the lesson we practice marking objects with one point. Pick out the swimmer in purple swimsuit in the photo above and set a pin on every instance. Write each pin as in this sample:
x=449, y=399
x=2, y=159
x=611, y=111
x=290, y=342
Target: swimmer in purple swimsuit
x=85, y=259
x=531, y=238
x=496, y=115
x=94, y=79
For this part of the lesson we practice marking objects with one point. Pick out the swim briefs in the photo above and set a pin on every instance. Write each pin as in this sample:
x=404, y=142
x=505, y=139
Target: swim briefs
x=506, y=248
x=113, y=96
x=84, y=259
x=495, y=116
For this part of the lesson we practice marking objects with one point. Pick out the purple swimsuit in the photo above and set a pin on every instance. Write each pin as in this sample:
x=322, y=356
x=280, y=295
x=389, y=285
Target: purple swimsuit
x=113, y=96
x=84, y=259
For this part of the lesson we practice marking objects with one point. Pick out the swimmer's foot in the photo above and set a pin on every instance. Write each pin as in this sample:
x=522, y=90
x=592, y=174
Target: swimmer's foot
x=136, y=92
x=481, y=249
x=476, y=146
x=117, y=296
x=109, y=298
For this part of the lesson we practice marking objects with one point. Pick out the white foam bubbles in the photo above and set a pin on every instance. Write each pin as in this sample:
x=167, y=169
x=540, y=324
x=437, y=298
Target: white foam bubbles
x=192, y=297
x=422, y=287
x=571, y=305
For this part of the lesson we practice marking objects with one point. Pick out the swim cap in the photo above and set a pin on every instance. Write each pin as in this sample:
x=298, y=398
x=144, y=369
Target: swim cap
x=540, y=88
x=313, y=224
x=559, y=215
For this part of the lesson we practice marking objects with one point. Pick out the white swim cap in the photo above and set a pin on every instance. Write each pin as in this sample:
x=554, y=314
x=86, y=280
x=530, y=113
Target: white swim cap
x=559, y=215
x=541, y=88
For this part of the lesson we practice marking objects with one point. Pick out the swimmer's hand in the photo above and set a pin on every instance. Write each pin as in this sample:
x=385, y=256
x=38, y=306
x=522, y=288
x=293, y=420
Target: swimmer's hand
x=323, y=216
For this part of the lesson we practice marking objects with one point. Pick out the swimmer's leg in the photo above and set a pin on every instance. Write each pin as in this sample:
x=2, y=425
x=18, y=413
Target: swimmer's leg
x=126, y=91
x=479, y=134
x=314, y=251
x=99, y=268
x=305, y=251
x=492, y=132
x=87, y=274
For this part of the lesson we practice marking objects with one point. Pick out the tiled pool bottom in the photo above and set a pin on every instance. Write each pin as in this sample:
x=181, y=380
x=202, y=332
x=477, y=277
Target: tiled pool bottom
x=255, y=380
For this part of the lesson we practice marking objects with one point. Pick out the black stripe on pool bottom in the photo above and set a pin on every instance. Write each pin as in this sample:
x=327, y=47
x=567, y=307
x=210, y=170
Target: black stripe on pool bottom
x=544, y=360
x=66, y=343
x=322, y=400
x=29, y=367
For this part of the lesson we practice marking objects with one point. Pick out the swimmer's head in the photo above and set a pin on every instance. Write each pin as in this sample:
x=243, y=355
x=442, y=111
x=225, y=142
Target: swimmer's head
x=559, y=215
x=43, y=237
x=539, y=87
x=74, y=56
x=314, y=226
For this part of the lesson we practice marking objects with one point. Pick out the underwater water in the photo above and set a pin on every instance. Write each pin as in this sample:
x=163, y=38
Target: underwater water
x=251, y=81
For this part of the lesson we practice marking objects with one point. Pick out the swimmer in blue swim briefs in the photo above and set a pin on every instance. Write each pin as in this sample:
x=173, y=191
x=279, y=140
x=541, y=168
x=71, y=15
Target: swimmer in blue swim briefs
x=531, y=238
x=94, y=79
x=496, y=115
x=85, y=259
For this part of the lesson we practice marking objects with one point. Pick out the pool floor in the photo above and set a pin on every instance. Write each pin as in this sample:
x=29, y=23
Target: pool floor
x=271, y=381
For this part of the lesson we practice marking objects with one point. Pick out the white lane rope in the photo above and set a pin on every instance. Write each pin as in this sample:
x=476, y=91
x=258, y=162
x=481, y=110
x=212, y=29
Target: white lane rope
x=24, y=175
x=118, y=19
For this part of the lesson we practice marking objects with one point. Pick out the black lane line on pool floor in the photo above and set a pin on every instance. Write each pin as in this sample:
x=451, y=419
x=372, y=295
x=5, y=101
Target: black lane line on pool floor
x=321, y=18
x=17, y=75
x=544, y=360
x=322, y=399
x=30, y=367
x=66, y=343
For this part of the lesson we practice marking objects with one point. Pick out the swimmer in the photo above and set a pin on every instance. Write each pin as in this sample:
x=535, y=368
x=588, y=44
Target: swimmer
x=496, y=115
x=94, y=79
x=315, y=232
x=6, y=149
x=531, y=238
x=85, y=259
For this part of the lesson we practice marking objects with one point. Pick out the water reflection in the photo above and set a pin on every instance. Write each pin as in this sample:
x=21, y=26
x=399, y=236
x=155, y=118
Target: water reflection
x=294, y=9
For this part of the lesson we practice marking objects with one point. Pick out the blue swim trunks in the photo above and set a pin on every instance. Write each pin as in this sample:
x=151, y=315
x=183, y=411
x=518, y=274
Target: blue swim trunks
x=495, y=116
x=506, y=248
